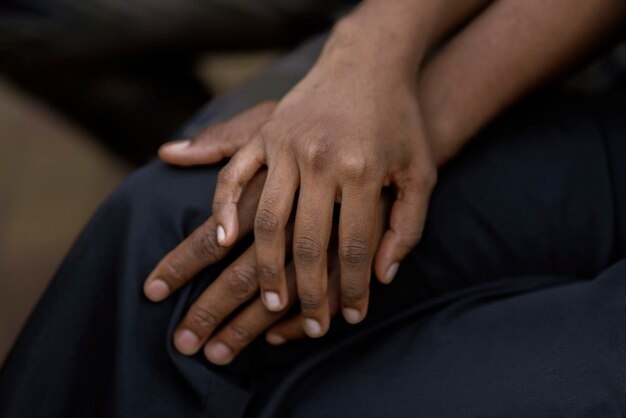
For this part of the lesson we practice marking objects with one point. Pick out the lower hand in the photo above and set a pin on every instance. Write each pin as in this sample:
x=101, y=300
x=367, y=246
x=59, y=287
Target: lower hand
x=205, y=322
x=237, y=285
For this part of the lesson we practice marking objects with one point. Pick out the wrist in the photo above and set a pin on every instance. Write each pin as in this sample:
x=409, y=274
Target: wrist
x=443, y=137
x=375, y=42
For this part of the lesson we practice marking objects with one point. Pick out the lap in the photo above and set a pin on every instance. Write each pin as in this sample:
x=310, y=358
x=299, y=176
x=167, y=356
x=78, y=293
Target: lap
x=496, y=351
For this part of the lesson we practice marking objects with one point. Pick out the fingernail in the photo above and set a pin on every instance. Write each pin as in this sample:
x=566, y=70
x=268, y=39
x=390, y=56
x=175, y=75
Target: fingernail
x=391, y=272
x=352, y=316
x=218, y=353
x=157, y=290
x=177, y=146
x=186, y=342
x=312, y=328
x=272, y=301
x=275, y=339
x=221, y=235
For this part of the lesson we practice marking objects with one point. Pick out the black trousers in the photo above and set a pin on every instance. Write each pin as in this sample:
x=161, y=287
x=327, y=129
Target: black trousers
x=512, y=305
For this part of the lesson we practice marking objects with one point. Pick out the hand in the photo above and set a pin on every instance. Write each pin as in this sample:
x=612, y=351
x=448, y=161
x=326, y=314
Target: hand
x=342, y=134
x=236, y=287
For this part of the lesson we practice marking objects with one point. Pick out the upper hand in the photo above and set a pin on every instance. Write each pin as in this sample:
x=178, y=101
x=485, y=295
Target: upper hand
x=340, y=135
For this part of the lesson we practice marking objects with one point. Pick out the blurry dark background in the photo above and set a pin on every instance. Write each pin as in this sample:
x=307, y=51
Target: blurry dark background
x=126, y=70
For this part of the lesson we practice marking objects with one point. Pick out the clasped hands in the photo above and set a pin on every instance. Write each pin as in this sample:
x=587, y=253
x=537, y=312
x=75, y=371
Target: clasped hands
x=334, y=143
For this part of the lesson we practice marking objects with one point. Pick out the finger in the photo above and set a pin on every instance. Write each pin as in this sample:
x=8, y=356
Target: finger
x=199, y=250
x=245, y=328
x=406, y=223
x=290, y=329
x=269, y=233
x=230, y=183
x=357, y=229
x=233, y=287
x=220, y=140
x=311, y=235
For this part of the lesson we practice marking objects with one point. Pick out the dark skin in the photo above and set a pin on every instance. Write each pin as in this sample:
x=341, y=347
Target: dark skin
x=237, y=284
x=489, y=64
x=331, y=140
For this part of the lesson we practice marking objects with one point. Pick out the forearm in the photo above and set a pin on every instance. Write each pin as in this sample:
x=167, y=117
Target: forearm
x=511, y=48
x=395, y=35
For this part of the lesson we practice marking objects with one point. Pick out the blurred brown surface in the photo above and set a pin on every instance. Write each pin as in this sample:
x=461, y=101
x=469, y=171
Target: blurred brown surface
x=52, y=178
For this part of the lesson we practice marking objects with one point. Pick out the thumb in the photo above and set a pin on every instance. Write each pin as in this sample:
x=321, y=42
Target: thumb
x=406, y=223
x=218, y=141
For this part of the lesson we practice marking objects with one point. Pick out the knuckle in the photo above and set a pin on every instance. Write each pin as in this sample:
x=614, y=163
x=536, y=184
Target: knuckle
x=240, y=335
x=266, y=223
x=227, y=175
x=241, y=283
x=205, y=245
x=317, y=154
x=353, y=292
x=310, y=302
x=173, y=272
x=307, y=251
x=220, y=203
x=201, y=317
x=270, y=198
x=355, y=167
x=267, y=275
x=355, y=253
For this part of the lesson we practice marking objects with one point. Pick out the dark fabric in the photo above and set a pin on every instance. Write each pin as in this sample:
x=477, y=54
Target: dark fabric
x=512, y=305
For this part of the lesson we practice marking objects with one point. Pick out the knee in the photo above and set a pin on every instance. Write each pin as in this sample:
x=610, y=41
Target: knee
x=165, y=193
x=148, y=215
x=156, y=208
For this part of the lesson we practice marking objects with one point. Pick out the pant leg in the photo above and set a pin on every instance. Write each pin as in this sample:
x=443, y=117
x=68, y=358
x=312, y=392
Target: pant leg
x=557, y=351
